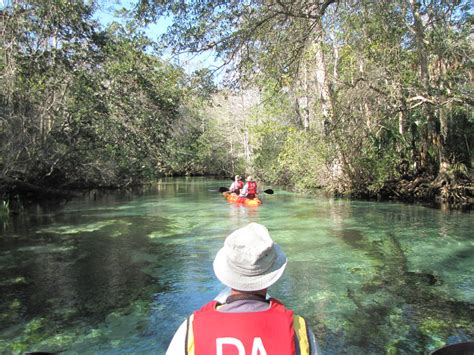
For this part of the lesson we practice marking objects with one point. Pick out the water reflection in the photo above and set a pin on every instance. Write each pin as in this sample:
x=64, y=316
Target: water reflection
x=240, y=215
x=118, y=272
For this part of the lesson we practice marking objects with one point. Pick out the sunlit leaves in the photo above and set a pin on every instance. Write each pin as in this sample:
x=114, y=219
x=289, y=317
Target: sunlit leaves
x=85, y=106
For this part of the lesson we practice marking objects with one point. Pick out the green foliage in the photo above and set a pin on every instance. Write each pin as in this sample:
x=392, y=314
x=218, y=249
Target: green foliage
x=85, y=106
x=335, y=96
x=379, y=163
x=291, y=157
x=459, y=170
x=302, y=160
x=460, y=139
x=212, y=153
x=271, y=136
x=141, y=101
x=269, y=132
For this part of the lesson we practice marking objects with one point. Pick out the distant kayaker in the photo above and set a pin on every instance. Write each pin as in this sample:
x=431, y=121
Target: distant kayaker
x=250, y=189
x=237, y=185
x=246, y=320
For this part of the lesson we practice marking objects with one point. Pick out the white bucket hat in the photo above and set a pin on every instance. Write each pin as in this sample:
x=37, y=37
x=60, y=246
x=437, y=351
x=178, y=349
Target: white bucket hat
x=249, y=260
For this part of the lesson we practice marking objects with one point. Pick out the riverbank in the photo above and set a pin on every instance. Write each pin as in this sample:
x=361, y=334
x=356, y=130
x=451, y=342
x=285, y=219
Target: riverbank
x=448, y=194
x=454, y=195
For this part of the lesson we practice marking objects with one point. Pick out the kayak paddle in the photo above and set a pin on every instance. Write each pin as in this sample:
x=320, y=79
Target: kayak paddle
x=224, y=189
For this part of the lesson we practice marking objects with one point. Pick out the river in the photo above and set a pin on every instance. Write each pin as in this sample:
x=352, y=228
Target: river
x=118, y=272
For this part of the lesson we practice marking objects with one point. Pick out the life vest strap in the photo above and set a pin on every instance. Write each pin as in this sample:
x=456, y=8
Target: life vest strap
x=301, y=332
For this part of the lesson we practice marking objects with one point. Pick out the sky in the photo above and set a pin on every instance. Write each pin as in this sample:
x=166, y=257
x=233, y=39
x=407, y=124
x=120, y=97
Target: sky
x=190, y=63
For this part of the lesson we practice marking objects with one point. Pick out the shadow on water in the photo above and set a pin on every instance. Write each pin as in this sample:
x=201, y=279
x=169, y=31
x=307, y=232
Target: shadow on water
x=77, y=276
x=398, y=310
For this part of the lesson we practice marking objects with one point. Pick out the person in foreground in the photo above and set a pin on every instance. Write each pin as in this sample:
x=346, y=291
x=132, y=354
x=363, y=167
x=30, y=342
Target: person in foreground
x=237, y=185
x=248, y=321
x=250, y=189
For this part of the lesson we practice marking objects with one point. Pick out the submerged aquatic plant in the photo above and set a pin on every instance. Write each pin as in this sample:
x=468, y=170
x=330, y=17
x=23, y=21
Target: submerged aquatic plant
x=4, y=213
x=4, y=209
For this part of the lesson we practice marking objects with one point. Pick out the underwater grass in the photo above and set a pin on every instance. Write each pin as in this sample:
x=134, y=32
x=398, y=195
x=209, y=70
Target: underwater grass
x=370, y=278
x=4, y=209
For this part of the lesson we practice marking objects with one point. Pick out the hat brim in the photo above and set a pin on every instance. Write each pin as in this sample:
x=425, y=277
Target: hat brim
x=240, y=282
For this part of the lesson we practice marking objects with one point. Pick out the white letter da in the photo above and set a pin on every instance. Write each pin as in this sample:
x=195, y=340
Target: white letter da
x=258, y=348
x=229, y=341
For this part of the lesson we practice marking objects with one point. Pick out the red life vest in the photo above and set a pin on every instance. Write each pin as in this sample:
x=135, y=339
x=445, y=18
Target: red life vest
x=252, y=188
x=270, y=331
x=237, y=186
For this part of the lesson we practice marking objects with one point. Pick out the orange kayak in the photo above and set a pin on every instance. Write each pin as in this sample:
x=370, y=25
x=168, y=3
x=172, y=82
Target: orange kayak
x=231, y=197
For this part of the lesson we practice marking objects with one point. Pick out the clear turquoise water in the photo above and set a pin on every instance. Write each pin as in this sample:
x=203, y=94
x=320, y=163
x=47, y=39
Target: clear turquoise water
x=119, y=273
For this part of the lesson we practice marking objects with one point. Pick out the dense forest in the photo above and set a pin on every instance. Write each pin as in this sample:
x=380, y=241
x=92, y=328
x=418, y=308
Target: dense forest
x=361, y=98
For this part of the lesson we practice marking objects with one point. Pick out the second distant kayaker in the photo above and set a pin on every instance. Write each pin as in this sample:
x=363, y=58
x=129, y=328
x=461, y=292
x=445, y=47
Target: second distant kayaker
x=250, y=188
x=237, y=185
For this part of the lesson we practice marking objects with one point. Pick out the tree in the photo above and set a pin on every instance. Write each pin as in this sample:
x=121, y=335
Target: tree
x=375, y=80
x=82, y=106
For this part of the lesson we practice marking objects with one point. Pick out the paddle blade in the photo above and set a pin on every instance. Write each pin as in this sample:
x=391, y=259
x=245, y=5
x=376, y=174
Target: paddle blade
x=223, y=189
x=269, y=191
x=453, y=349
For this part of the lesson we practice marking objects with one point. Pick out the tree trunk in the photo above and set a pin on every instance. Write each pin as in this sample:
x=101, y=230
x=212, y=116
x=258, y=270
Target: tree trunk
x=444, y=163
x=322, y=87
x=429, y=134
x=303, y=99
